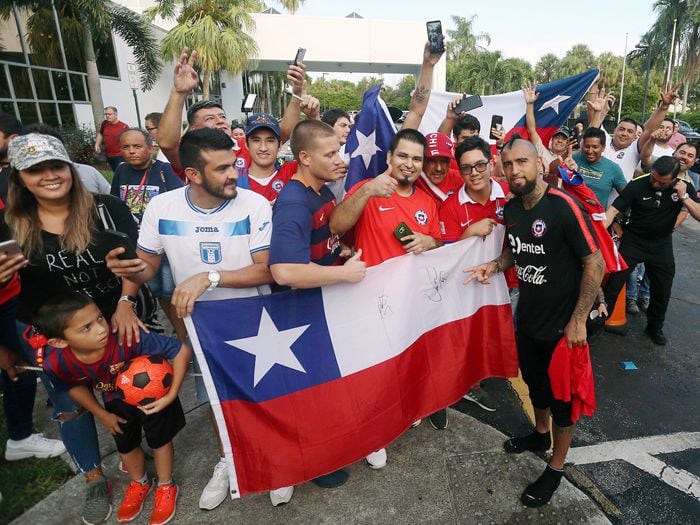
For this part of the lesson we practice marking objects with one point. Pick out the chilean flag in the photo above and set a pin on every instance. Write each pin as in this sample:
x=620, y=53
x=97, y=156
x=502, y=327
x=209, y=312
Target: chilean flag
x=305, y=382
x=369, y=139
x=556, y=102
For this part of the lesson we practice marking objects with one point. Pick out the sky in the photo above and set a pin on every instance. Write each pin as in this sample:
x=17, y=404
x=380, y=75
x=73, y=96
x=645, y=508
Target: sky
x=517, y=28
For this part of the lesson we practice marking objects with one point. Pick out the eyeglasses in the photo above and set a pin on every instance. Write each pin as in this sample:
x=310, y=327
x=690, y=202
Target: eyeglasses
x=480, y=167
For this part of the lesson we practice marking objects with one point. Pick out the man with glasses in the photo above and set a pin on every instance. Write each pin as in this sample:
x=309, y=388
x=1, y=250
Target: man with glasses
x=654, y=201
x=108, y=136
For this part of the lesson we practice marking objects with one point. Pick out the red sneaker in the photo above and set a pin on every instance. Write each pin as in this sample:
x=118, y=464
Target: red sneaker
x=132, y=504
x=164, y=505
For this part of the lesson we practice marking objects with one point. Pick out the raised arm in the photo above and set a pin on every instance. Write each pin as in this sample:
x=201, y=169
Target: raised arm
x=531, y=95
x=599, y=107
x=185, y=79
x=451, y=118
x=421, y=95
x=296, y=75
x=651, y=125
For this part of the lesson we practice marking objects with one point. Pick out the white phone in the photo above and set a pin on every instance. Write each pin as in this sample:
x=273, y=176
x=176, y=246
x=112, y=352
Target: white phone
x=10, y=247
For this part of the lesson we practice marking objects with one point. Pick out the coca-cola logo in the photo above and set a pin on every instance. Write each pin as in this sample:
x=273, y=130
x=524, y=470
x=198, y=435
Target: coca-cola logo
x=532, y=274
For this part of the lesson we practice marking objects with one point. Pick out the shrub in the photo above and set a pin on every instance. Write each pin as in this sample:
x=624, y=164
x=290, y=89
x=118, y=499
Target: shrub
x=79, y=142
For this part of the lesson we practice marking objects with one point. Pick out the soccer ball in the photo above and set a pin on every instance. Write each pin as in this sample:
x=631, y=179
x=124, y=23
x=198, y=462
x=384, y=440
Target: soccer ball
x=144, y=379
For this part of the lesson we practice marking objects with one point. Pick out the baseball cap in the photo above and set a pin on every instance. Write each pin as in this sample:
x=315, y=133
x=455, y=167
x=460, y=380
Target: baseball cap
x=29, y=150
x=263, y=120
x=563, y=131
x=439, y=145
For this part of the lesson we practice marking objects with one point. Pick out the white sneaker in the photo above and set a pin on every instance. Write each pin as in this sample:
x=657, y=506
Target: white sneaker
x=281, y=496
x=416, y=423
x=35, y=446
x=377, y=460
x=216, y=490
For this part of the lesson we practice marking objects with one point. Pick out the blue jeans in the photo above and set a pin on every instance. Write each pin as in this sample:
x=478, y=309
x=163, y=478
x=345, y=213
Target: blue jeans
x=635, y=288
x=79, y=434
x=18, y=400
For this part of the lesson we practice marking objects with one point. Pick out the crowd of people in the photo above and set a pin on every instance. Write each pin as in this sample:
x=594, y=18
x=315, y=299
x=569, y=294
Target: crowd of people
x=214, y=216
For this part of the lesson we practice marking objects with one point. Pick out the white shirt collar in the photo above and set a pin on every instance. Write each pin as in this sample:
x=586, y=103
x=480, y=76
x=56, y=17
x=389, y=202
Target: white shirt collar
x=496, y=193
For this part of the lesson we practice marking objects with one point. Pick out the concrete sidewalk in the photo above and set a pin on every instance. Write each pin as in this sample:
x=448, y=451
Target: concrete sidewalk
x=457, y=475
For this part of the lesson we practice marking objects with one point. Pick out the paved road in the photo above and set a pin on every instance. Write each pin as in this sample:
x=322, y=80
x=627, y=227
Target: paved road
x=642, y=447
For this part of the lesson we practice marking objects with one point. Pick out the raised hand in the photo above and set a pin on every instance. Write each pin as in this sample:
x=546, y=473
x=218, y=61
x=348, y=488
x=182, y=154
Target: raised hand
x=670, y=94
x=383, y=185
x=432, y=58
x=296, y=76
x=451, y=114
x=530, y=92
x=185, y=77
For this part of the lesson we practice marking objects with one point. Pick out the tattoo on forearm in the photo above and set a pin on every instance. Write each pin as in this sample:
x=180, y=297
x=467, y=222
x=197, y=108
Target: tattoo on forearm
x=420, y=93
x=590, y=284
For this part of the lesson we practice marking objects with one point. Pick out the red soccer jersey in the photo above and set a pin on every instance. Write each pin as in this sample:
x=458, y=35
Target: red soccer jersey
x=271, y=186
x=374, y=231
x=242, y=154
x=440, y=192
x=12, y=288
x=459, y=212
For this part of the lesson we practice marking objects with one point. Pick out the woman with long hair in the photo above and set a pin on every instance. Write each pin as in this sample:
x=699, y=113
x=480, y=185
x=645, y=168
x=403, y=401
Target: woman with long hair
x=60, y=227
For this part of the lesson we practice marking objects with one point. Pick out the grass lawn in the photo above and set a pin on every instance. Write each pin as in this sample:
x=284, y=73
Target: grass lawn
x=26, y=482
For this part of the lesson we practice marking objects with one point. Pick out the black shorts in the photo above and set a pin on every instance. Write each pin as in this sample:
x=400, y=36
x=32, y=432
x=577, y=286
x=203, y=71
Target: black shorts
x=534, y=357
x=160, y=428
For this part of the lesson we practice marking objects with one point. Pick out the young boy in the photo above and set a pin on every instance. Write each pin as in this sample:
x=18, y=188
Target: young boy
x=82, y=355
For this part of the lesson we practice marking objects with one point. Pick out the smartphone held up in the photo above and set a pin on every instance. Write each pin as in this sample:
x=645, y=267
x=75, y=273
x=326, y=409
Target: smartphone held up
x=435, y=38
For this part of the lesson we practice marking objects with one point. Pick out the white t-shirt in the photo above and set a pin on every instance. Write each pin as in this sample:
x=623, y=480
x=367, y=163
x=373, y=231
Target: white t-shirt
x=627, y=158
x=660, y=151
x=197, y=240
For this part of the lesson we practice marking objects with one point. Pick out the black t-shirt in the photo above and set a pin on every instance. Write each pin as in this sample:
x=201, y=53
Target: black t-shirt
x=548, y=243
x=652, y=213
x=55, y=269
x=4, y=182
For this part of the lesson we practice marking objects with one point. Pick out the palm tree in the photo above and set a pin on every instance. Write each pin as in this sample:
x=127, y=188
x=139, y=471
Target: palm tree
x=81, y=22
x=610, y=66
x=546, y=68
x=687, y=45
x=463, y=40
x=577, y=60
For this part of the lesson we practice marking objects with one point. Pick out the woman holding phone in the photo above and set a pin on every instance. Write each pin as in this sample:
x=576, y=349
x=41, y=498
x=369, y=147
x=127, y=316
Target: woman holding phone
x=60, y=227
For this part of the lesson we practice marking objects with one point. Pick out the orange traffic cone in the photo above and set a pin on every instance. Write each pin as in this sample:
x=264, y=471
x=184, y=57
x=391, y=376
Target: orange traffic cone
x=617, y=322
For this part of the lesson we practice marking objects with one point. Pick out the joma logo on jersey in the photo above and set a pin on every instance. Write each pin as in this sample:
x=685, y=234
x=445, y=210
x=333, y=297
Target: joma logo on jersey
x=210, y=252
x=206, y=229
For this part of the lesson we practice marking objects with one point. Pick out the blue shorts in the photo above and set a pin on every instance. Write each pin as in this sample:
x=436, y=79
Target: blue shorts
x=162, y=285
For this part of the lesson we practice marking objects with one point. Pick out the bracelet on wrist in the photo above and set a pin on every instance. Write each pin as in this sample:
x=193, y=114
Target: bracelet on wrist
x=128, y=299
x=498, y=266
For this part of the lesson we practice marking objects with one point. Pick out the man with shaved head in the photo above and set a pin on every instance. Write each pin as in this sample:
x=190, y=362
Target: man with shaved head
x=559, y=268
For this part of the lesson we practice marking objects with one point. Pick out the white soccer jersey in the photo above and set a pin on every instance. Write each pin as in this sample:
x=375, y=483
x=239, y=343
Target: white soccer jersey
x=197, y=240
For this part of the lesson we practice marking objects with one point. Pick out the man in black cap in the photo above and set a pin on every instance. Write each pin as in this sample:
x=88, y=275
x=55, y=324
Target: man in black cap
x=654, y=201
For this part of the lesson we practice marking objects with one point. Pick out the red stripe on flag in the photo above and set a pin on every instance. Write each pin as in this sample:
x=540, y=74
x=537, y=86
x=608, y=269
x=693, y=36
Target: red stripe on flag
x=295, y=438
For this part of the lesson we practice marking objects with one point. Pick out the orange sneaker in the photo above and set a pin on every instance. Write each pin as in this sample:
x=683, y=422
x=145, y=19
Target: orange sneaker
x=164, y=505
x=132, y=504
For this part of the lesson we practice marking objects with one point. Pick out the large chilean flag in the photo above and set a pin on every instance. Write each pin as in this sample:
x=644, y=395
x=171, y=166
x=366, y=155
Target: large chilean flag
x=556, y=102
x=305, y=382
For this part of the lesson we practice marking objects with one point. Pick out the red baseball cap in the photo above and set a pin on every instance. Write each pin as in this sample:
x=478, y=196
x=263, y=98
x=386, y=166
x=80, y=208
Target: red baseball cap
x=439, y=145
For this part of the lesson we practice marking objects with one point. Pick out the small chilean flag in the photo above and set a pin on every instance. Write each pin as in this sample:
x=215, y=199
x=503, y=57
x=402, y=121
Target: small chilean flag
x=556, y=102
x=305, y=382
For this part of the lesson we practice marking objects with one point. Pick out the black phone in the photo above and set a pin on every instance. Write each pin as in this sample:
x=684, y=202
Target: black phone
x=468, y=103
x=437, y=44
x=401, y=231
x=301, y=52
x=123, y=240
x=497, y=123
x=9, y=248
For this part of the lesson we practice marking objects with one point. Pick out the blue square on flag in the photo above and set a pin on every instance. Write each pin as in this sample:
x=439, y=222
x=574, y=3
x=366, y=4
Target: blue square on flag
x=266, y=346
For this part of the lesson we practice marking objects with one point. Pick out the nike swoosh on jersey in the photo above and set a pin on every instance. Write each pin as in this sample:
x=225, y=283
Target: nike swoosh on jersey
x=646, y=198
x=382, y=208
x=463, y=224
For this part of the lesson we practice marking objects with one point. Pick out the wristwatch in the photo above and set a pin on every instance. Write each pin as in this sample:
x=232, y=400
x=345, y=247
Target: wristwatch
x=685, y=196
x=214, y=278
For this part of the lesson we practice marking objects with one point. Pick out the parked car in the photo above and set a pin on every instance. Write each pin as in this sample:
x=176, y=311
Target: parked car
x=686, y=130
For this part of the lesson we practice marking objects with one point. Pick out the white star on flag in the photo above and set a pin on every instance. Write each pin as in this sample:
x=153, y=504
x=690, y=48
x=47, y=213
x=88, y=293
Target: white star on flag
x=554, y=103
x=366, y=147
x=271, y=347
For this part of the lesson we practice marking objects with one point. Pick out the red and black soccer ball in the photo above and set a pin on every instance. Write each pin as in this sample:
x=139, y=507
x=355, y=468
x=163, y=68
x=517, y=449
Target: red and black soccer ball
x=144, y=379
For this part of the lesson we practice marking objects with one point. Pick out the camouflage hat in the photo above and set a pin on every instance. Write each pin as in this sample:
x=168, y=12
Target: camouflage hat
x=29, y=150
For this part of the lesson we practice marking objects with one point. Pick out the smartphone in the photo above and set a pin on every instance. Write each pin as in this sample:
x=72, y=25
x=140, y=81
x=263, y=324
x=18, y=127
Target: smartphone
x=301, y=52
x=123, y=240
x=469, y=103
x=496, y=122
x=434, y=28
x=9, y=248
x=401, y=231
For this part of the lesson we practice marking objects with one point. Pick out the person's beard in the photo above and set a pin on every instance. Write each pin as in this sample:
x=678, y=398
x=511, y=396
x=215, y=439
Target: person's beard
x=405, y=182
x=523, y=190
x=220, y=191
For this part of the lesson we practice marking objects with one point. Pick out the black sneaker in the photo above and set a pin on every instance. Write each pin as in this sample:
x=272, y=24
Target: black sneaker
x=438, y=420
x=541, y=491
x=332, y=480
x=97, y=508
x=656, y=335
x=534, y=442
